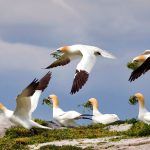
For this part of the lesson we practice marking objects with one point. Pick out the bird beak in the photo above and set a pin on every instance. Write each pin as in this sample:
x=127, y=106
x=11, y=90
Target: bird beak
x=50, y=99
x=57, y=54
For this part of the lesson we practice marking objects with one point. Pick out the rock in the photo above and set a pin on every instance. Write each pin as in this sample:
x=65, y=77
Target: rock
x=119, y=128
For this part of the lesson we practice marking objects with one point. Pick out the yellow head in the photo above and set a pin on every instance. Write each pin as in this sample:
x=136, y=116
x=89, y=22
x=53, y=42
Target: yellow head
x=54, y=99
x=94, y=103
x=139, y=60
x=140, y=98
x=64, y=49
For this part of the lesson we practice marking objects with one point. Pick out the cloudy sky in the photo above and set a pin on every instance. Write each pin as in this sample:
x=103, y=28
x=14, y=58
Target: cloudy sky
x=31, y=29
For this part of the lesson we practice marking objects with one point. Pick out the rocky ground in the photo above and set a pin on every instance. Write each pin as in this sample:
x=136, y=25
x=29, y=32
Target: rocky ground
x=102, y=143
x=109, y=143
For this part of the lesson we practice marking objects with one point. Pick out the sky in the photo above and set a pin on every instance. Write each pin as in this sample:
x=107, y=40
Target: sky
x=31, y=29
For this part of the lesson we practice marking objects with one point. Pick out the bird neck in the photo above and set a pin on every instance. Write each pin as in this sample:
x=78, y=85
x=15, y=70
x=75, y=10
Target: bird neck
x=56, y=103
x=95, y=110
x=95, y=105
x=142, y=105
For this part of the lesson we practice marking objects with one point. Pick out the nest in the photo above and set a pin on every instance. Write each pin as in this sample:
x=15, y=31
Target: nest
x=86, y=105
x=132, y=65
x=47, y=102
x=133, y=100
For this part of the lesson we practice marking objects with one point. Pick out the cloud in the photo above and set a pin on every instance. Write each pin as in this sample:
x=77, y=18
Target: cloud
x=22, y=56
x=115, y=23
x=30, y=29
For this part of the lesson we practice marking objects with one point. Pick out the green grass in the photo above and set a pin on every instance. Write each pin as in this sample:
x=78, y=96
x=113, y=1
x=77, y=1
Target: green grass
x=53, y=147
x=18, y=138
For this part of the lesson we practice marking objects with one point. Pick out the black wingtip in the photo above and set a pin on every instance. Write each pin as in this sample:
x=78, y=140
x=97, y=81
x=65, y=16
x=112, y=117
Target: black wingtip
x=80, y=79
x=49, y=67
x=43, y=83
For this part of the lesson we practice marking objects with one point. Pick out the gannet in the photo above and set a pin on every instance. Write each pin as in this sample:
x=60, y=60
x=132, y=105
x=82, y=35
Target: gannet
x=88, y=56
x=98, y=117
x=144, y=114
x=65, y=118
x=27, y=102
x=143, y=63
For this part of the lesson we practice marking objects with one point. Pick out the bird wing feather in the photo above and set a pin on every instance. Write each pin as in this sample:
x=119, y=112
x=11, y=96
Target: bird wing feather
x=82, y=71
x=140, y=70
x=61, y=61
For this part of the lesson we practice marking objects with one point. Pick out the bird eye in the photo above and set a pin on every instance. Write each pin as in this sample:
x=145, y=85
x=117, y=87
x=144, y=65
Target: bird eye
x=58, y=50
x=136, y=61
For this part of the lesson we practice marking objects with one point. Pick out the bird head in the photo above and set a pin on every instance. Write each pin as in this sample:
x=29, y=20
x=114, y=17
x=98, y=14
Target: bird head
x=94, y=102
x=54, y=100
x=138, y=97
x=139, y=60
x=64, y=49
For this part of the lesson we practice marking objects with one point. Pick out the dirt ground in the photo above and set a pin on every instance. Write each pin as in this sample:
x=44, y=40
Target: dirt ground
x=102, y=143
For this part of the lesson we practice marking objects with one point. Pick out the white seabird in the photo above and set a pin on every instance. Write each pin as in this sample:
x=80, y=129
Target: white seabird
x=98, y=117
x=144, y=114
x=27, y=102
x=88, y=53
x=143, y=63
x=65, y=118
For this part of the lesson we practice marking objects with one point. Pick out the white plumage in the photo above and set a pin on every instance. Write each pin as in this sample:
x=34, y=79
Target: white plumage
x=65, y=118
x=144, y=114
x=88, y=56
x=27, y=102
x=98, y=117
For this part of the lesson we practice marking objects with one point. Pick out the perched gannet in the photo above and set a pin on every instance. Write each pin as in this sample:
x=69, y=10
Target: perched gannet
x=144, y=114
x=88, y=53
x=27, y=102
x=62, y=118
x=98, y=117
x=143, y=63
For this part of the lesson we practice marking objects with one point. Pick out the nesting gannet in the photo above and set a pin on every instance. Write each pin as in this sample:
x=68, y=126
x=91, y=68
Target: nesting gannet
x=65, y=118
x=88, y=53
x=27, y=102
x=144, y=114
x=143, y=63
x=98, y=117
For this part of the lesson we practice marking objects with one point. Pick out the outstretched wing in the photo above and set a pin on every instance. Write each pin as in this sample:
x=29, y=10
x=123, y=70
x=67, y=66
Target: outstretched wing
x=140, y=70
x=42, y=85
x=61, y=61
x=28, y=99
x=82, y=71
x=69, y=115
x=24, y=100
x=80, y=79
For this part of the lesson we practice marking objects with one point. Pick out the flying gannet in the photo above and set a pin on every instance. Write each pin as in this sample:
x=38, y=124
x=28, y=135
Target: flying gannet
x=88, y=56
x=143, y=63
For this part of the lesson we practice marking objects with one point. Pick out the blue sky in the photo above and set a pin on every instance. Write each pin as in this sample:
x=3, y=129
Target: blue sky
x=31, y=29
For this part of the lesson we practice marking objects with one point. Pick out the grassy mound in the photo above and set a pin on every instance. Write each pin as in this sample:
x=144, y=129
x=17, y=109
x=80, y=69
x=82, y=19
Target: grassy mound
x=19, y=138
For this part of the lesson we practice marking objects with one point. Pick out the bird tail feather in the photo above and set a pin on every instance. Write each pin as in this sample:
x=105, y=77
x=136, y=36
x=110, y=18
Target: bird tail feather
x=107, y=54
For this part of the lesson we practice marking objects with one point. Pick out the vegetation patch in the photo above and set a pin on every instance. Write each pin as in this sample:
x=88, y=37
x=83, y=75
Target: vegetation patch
x=53, y=147
x=86, y=105
x=132, y=66
x=19, y=138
